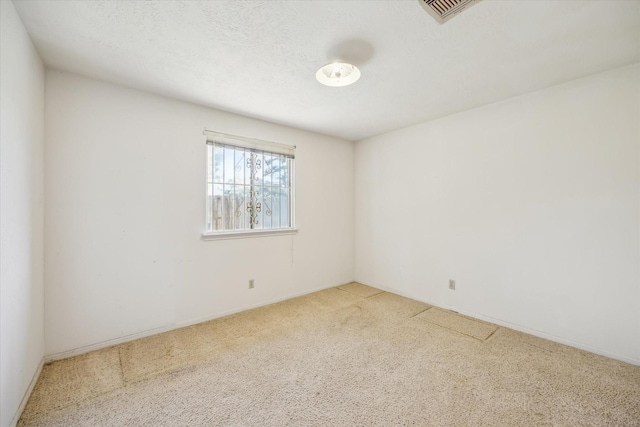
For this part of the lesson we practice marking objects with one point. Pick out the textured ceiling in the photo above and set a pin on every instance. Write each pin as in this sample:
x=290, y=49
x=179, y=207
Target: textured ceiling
x=259, y=58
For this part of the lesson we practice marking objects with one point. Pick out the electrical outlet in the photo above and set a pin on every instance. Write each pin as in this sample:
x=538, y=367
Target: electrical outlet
x=452, y=285
x=250, y=283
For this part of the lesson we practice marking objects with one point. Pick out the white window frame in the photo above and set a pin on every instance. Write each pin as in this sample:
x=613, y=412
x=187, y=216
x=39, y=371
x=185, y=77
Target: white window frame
x=255, y=145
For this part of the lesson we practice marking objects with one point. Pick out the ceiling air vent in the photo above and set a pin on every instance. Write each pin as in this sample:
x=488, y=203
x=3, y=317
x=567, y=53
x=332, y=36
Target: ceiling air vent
x=443, y=10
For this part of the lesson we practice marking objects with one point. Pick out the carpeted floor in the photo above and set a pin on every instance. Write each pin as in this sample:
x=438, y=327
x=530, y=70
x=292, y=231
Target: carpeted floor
x=346, y=356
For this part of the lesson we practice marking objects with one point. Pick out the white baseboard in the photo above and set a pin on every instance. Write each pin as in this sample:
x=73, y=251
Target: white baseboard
x=120, y=340
x=549, y=337
x=27, y=394
x=516, y=327
x=104, y=344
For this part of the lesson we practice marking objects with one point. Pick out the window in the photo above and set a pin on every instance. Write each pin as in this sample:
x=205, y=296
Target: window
x=250, y=186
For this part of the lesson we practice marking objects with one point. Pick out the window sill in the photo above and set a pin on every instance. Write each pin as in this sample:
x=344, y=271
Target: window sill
x=248, y=234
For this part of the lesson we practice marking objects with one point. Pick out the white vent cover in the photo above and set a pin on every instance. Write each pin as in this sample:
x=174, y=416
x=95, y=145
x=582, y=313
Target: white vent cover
x=443, y=10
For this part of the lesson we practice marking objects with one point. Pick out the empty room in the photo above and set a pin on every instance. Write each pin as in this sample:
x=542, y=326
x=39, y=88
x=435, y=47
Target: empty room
x=319, y=213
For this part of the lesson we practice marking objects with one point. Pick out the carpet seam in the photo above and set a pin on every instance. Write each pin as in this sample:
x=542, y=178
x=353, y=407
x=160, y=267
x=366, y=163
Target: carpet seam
x=371, y=296
x=491, y=334
x=417, y=314
x=121, y=365
x=454, y=330
x=359, y=296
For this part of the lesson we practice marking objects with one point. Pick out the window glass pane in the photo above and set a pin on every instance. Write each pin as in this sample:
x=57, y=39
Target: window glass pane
x=209, y=163
x=259, y=169
x=247, y=201
x=263, y=211
x=239, y=166
x=232, y=206
x=217, y=164
x=246, y=169
x=267, y=207
x=276, y=208
x=266, y=175
x=284, y=174
x=238, y=199
x=216, y=218
x=228, y=207
x=284, y=209
x=228, y=165
x=275, y=166
x=209, y=208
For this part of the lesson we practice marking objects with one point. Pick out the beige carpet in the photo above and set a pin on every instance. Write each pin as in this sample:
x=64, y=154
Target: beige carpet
x=346, y=356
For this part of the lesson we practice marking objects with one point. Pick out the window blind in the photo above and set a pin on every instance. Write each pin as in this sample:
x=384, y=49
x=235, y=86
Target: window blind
x=219, y=138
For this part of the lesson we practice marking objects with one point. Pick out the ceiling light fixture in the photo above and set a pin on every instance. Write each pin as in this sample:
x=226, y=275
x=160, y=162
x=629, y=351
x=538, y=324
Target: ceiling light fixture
x=338, y=74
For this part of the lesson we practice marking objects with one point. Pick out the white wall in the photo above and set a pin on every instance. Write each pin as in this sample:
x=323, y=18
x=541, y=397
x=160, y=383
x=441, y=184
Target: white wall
x=531, y=205
x=125, y=174
x=21, y=212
